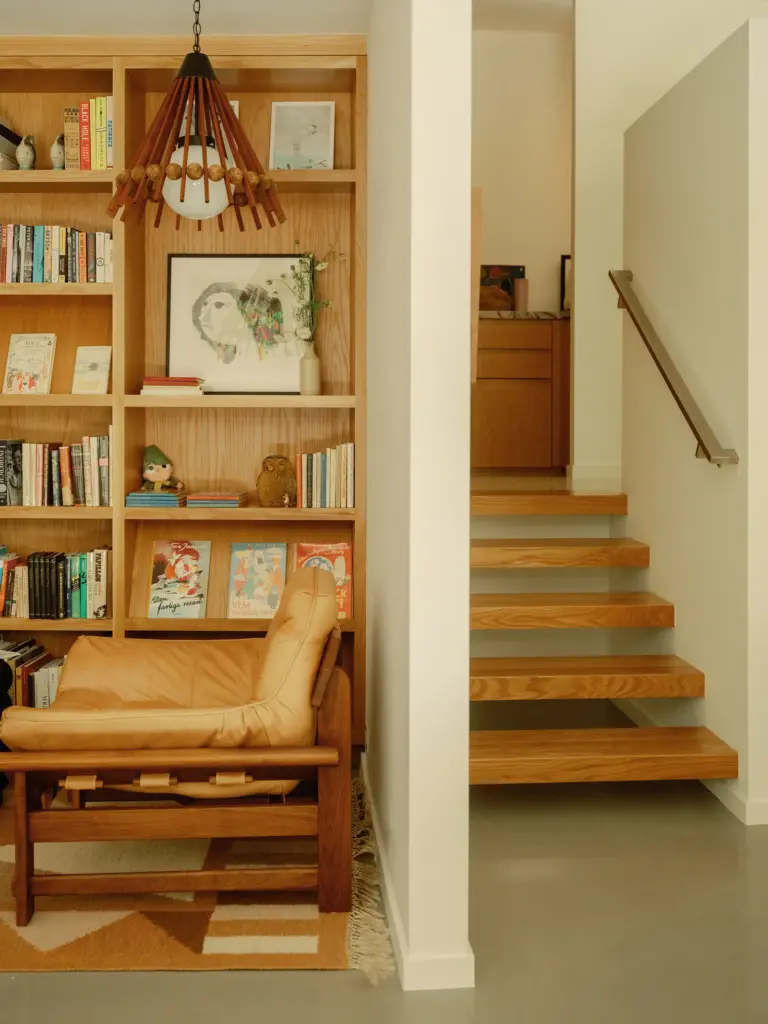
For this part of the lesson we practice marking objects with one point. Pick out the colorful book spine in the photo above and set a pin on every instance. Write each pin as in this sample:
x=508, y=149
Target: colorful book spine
x=100, y=134
x=85, y=136
x=90, y=257
x=110, y=132
x=82, y=257
x=56, y=476
x=92, y=124
x=65, y=468
x=71, y=139
x=38, y=255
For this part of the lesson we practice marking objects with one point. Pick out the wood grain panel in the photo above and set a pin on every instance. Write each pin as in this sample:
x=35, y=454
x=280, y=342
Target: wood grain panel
x=216, y=758
x=511, y=334
x=54, y=424
x=561, y=393
x=599, y=755
x=85, y=211
x=558, y=553
x=601, y=678
x=520, y=363
x=239, y=46
x=538, y=503
x=570, y=611
x=511, y=424
x=294, y=879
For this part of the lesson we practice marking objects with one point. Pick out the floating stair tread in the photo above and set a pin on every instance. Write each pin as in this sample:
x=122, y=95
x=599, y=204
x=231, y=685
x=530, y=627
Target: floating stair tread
x=495, y=502
x=599, y=755
x=596, y=678
x=570, y=611
x=559, y=552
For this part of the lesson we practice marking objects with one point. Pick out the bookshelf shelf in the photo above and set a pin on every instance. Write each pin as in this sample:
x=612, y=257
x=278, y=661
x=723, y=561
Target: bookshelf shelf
x=141, y=625
x=240, y=402
x=54, y=512
x=314, y=181
x=93, y=290
x=55, y=625
x=56, y=401
x=254, y=514
x=56, y=181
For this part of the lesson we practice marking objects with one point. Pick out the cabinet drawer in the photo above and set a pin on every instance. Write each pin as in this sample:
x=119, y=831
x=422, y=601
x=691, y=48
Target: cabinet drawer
x=511, y=424
x=515, y=334
x=520, y=364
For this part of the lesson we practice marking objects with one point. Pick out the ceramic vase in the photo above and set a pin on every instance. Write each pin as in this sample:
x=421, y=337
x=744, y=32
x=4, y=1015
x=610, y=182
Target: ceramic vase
x=309, y=367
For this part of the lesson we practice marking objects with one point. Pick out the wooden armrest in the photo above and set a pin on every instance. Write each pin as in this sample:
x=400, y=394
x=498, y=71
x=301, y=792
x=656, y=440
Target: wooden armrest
x=327, y=665
x=239, y=758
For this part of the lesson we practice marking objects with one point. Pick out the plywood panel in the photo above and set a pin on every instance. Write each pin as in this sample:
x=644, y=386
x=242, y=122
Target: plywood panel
x=511, y=424
x=85, y=211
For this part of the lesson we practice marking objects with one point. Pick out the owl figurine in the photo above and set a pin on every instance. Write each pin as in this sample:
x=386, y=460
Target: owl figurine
x=276, y=483
x=25, y=154
x=57, y=153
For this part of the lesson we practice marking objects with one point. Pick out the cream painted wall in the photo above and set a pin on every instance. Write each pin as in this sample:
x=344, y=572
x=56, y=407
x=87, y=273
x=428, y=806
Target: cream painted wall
x=628, y=54
x=417, y=765
x=521, y=151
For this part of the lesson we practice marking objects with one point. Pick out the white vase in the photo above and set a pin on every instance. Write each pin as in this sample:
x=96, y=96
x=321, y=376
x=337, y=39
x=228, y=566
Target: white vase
x=309, y=367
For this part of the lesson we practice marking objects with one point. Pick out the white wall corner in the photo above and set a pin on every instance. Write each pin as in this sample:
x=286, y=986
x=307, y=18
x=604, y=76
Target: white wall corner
x=416, y=972
x=603, y=477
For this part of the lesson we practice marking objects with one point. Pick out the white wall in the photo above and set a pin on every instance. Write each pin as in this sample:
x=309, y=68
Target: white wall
x=628, y=54
x=686, y=240
x=417, y=764
x=521, y=151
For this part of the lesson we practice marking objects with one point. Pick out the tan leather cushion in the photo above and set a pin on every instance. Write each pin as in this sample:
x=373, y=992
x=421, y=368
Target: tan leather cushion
x=177, y=694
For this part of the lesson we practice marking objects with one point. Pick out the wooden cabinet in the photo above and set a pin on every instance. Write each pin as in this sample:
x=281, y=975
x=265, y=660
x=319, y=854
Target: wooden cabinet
x=521, y=399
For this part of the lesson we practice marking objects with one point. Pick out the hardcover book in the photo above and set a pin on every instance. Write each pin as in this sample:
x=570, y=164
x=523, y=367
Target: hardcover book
x=72, y=138
x=178, y=586
x=256, y=580
x=29, y=364
x=336, y=558
x=91, y=376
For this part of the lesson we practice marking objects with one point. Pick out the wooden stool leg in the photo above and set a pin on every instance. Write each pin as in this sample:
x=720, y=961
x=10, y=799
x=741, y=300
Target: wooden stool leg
x=334, y=797
x=25, y=851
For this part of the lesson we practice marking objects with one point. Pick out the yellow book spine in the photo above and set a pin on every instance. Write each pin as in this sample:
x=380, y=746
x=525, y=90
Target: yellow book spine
x=101, y=134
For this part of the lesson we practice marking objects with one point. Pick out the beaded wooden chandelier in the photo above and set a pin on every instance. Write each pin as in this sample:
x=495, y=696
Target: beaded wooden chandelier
x=195, y=157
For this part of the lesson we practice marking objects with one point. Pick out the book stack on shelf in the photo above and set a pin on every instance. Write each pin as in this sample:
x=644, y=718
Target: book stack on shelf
x=88, y=135
x=326, y=479
x=54, y=474
x=155, y=499
x=50, y=254
x=28, y=673
x=55, y=585
x=216, y=499
x=185, y=386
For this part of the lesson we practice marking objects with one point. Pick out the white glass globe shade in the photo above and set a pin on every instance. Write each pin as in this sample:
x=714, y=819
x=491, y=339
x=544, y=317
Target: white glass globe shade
x=194, y=205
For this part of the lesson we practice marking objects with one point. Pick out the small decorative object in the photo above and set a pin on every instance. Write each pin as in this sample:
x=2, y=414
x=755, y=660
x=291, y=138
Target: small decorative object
x=241, y=323
x=276, y=482
x=566, y=283
x=194, y=173
x=310, y=371
x=9, y=141
x=520, y=294
x=256, y=580
x=497, y=286
x=29, y=365
x=302, y=136
x=91, y=376
x=178, y=587
x=25, y=153
x=157, y=471
x=57, y=153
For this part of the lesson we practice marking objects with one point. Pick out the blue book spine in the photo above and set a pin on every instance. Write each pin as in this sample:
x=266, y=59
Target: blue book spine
x=67, y=590
x=74, y=585
x=323, y=479
x=83, y=586
x=310, y=467
x=37, y=254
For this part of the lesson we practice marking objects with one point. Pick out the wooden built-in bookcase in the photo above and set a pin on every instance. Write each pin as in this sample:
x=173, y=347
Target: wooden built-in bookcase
x=216, y=440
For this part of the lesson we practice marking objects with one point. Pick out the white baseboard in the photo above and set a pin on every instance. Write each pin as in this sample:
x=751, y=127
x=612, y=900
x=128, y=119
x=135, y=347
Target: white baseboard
x=416, y=972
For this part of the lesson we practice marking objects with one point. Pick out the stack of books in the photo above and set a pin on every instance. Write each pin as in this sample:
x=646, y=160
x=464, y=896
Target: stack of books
x=55, y=585
x=172, y=386
x=50, y=254
x=216, y=500
x=326, y=479
x=154, y=499
x=28, y=674
x=35, y=474
x=88, y=135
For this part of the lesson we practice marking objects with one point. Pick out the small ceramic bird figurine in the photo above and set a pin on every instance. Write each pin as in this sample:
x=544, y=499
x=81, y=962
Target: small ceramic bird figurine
x=25, y=153
x=57, y=153
x=276, y=482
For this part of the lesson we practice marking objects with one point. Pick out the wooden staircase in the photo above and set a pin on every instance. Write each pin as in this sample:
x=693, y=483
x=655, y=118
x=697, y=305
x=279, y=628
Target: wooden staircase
x=578, y=755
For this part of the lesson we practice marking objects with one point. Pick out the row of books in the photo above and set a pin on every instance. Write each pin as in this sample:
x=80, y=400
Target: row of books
x=88, y=135
x=180, y=573
x=155, y=499
x=50, y=254
x=50, y=473
x=55, y=585
x=172, y=386
x=28, y=674
x=326, y=479
x=216, y=499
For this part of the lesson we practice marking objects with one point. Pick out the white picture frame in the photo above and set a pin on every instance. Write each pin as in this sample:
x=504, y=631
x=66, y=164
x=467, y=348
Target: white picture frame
x=302, y=135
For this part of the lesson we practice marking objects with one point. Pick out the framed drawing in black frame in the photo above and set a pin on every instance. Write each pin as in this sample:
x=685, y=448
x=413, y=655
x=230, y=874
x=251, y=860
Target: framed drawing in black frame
x=239, y=322
x=565, y=269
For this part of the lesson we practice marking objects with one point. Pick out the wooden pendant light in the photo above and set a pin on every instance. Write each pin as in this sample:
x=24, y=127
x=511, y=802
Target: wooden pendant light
x=234, y=180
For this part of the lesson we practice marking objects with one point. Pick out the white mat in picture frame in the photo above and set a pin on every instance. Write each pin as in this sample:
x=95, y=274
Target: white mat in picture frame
x=302, y=136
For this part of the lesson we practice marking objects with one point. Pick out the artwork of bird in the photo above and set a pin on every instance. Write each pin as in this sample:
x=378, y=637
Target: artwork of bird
x=25, y=153
x=276, y=482
x=57, y=153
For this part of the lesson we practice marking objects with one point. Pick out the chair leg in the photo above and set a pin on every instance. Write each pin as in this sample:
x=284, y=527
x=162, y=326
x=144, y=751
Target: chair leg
x=334, y=800
x=25, y=851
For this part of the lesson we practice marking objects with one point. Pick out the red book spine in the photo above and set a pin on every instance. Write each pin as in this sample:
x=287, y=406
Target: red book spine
x=85, y=140
x=3, y=250
x=82, y=260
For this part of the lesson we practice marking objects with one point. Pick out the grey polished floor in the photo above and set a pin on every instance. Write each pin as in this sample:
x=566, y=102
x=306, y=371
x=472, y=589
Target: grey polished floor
x=590, y=905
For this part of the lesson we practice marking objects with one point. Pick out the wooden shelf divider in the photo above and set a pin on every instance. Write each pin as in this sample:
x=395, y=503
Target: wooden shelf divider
x=55, y=512
x=94, y=290
x=56, y=625
x=249, y=513
x=217, y=401
x=143, y=625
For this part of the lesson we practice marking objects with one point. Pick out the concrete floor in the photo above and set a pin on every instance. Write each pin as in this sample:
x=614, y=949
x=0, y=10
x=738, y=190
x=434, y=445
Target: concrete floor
x=590, y=905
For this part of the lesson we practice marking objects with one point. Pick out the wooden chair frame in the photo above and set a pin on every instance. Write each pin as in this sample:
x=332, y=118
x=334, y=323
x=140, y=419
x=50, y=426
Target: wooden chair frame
x=85, y=773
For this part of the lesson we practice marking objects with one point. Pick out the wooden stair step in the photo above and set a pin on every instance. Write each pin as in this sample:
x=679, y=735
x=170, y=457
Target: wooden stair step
x=584, y=678
x=495, y=502
x=559, y=553
x=599, y=755
x=570, y=611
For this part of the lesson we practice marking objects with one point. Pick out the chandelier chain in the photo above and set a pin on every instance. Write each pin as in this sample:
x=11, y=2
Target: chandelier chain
x=196, y=27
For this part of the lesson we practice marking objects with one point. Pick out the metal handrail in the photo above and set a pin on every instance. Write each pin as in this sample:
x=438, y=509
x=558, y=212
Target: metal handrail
x=708, y=446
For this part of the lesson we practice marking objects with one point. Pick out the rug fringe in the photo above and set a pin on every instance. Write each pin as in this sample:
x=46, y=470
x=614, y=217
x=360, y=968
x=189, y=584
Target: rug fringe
x=369, y=945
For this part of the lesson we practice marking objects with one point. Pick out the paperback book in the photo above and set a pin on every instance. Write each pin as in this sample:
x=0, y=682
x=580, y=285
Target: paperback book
x=336, y=558
x=91, y=376
x=30, y=364
x=178, y=586
x=256, y=580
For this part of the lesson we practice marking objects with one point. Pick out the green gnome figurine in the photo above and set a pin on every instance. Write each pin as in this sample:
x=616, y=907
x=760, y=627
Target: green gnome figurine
x=158, y=472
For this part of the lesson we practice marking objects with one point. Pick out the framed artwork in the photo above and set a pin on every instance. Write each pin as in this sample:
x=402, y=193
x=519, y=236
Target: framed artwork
x=302, y=136
x=565, y=284
x=497, y=285
x=240, y=323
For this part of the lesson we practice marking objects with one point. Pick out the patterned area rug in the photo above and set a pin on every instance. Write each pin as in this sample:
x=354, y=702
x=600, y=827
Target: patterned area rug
x=193, y=931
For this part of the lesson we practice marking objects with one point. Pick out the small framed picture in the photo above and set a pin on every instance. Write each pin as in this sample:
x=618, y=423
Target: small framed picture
x=302, y=136
x=241, y=323
x=565, y=283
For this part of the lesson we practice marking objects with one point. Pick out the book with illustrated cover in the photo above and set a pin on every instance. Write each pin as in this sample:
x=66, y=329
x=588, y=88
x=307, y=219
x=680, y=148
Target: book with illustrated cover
x=178, y=586
x=336, y=558
x=30, y=364
x=91, y=376
x=72, y=138
x=256, y=580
